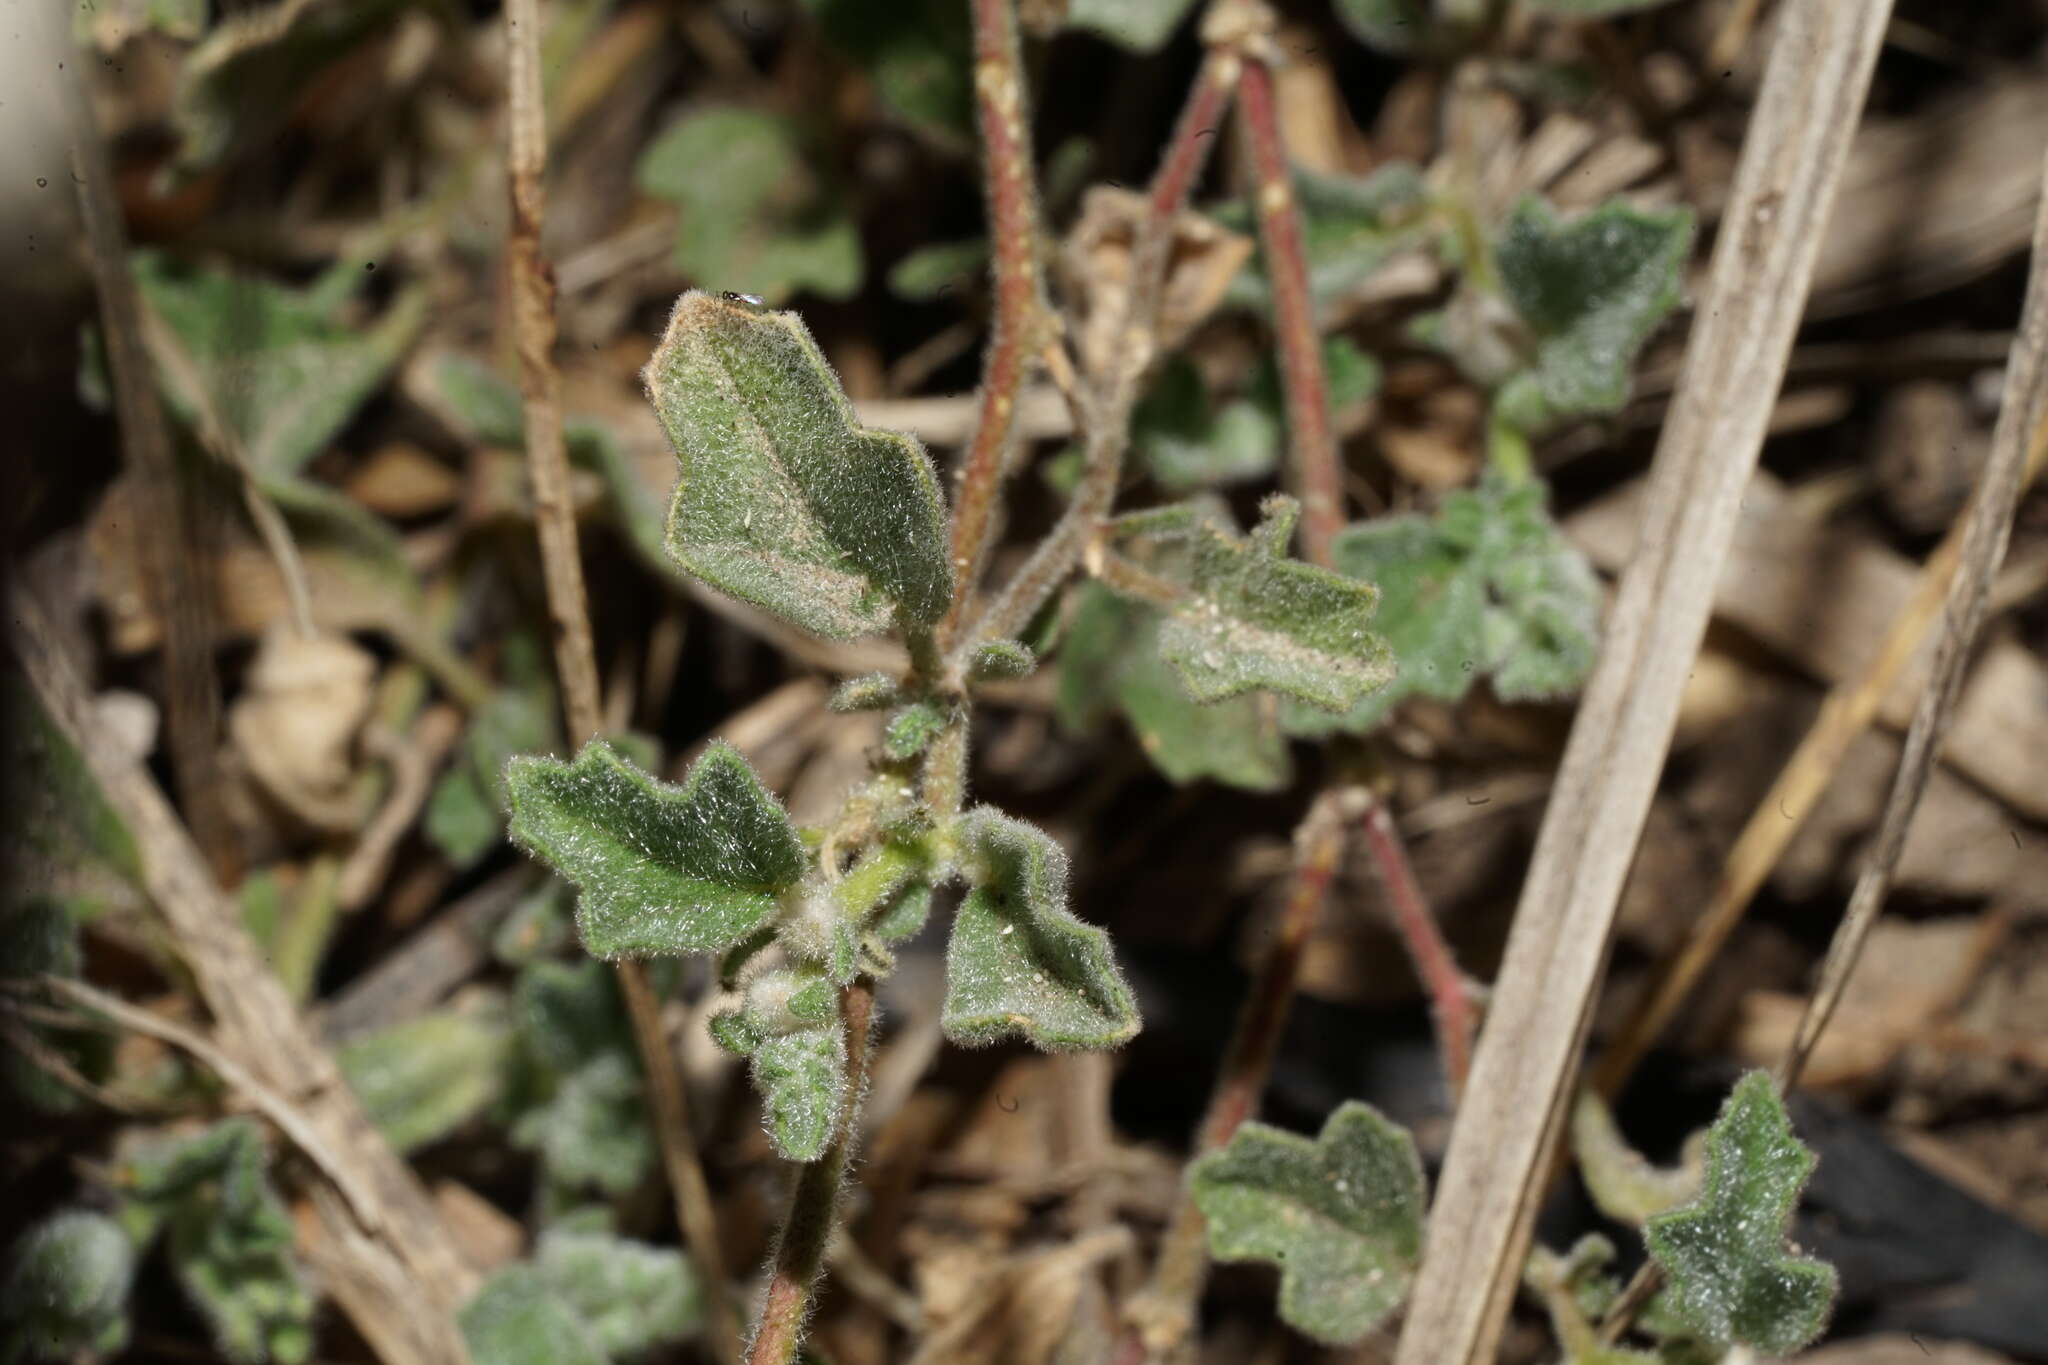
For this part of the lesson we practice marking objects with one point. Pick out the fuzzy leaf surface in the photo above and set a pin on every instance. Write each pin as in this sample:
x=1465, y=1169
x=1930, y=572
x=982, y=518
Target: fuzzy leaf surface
x=755, y=217
x=421, y=1079
x=1731, y=1278
x=785, y=500
x=1487, y=588
x=1110, y=660
x=517, y=1319
x=1020, y=964
x=1341, y=1216
x=631, y=1296
x=788, y=1026
x=1591, y=292
x=1253, y=618
x=661, y=869
x=66, y=1293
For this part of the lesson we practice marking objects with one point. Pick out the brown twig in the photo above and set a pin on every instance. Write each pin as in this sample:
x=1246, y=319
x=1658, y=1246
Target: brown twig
x=1813, y=91
x=1164, y=1314
x=176, y=578
x=1451, y=1006
x=1312, y=446
x=554, y=514
x=397, y=1275
x=814, y=1204
x=1003, y=116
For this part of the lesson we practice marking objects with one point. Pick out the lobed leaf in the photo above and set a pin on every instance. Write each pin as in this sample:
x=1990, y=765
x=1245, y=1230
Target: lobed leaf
x=1253, y=618
x=785, y=501
x=631, y=1296
x=1731, y=1278
x=788, y=1025
x=1019, y=963
x=592, y=1131
x=1110, y=660
x=1341, y=1216
x=1591, y=292
x=660, y=869
x=66, y=1294
x=755, y=215
x=1487, y=588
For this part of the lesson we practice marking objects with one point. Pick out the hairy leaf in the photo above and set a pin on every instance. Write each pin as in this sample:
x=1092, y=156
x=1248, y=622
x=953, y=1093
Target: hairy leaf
x=422, y=1079
x=1341, y=1216
x=1141, y=25
x=632, y=1296
x=464, y=816
x=755, y=216
x=66, y=1293
x=1590, y=292
x=661, y=869
x=1731, y=1279
x=227, y=1237
x=1019, y=963
x=1110, y=659
x=1487, y=588
x=1623, y=1184
x=1577, y=1293
x=517, y=1319
x=1351, y=226
x=785, y=500
x=788, y=1024
x=592, y=1131
x=1001, y=659
x=281, y=366
x=1252, y=618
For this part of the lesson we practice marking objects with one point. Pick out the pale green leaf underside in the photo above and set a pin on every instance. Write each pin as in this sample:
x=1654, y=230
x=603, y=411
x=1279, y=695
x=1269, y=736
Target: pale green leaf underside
x=1341, y=1217
x=660, y=869
x=1731, y=1278
x=1110, y=658
x=785, y=500
x=1019, y=963
x=1254, y=619
x=1591, y=292
x=1487, y=588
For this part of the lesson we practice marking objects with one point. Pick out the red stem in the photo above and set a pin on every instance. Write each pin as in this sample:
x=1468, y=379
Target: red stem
x=1004, y=121
x=1317, y=475
x=1450, y=993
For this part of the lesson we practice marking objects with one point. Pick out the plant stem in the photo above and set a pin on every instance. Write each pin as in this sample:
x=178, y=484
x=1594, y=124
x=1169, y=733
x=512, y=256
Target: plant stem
x=1449, y=990
x=813, y=1206
x=1312, y=443
x=1004, y=120
x=554, y=514
x=1164, y=1314
x=1108, y=400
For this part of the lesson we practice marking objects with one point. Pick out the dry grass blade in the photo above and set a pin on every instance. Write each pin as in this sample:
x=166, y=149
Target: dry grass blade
x=554, y=514
x=1792, y=159
x=396, y=1272
x=1987, y=530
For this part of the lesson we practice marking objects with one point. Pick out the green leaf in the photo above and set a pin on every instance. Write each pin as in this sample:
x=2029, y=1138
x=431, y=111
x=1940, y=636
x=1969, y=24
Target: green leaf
x=912, y=729
x=422, y=1079
x=64, y=839
x=1577, y=1293
x=281, y=366
x=1731, y=1279
x=66, y=1294
x=755, y=215
x=785, y=500
x=465, y=811
x=1110, y=659
x=1623, y=1184
x=1341, y=1216
x=788, y=1024
x=928, y=272
x=540, y=926
x=1185, y=448
x=1489, y=587
x=518, y=1319
x=1001, y=660
x=917, y=51
x=1020, y=964
x=1140, y=25
x=1351, y=226
x=630, y=1295
x=592, y=1131
x=661, y=869
x=1396, y=27
x=38, y=938
x=227, y=1237
x=1593, y=9
x=1253, y=618
x=1591, y=292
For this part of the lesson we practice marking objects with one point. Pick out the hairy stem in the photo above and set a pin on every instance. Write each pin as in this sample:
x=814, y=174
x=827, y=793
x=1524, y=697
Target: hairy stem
x=1005, y=123
x=1107, y=399
x=814, y=1205
x=1312, y=443
x=554, y=514
x=1164, y=1314
x=1450, y=991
